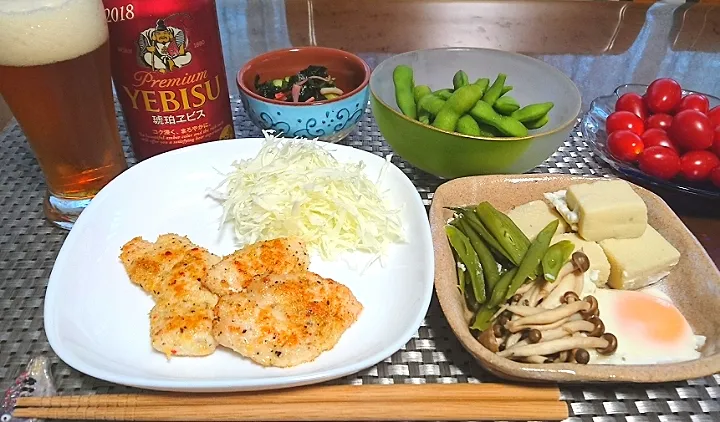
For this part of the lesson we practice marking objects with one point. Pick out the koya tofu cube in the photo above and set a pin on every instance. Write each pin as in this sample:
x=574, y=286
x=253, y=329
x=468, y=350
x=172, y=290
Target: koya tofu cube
x=607, y=210
x=639, y=262
x=599, y=271
x=533, y=216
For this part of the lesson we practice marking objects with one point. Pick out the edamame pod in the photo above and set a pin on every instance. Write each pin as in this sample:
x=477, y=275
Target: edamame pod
x=506, y=105
x=467, y=126
x=535, y=252
x=483, y=83
x=484, y=113
x=403, y=79
x=431, y=103
x=494, y=92
x=443, y=93
x=488, y=131
x=537, y=124
x=506, y=89
x=532, y=112
x=420, y=91
x=458, y=104
x=460, y=79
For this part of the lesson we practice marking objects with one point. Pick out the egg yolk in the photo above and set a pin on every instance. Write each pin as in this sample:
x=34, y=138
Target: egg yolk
x=657, y=318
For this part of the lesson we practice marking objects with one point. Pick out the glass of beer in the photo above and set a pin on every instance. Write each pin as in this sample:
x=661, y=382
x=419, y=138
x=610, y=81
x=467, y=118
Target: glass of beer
x=55, y=76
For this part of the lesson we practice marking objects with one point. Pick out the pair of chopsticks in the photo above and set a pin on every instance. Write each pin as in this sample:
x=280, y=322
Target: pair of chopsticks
x=435, y=402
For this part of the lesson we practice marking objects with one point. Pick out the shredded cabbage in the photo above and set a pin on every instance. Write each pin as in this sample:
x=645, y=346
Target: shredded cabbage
x=295, y=187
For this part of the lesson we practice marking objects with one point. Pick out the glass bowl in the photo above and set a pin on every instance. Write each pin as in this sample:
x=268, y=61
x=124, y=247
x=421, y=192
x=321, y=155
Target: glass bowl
x=592, y=126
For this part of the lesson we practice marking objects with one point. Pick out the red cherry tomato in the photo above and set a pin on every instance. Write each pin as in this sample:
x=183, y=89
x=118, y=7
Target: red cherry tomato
x=660, y=162
x=716, y=142
x=697, y=102
x=624, y=120
x=657, y=137
x=696, y=166
x=659, y=121
x=691, y=130
x=714, y=116
x=625, y=145
x=663, y=95
x=715, y=177
x=633, y=103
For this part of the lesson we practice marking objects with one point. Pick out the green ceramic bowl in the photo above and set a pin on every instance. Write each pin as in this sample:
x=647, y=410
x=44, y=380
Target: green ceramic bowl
x=450, y=155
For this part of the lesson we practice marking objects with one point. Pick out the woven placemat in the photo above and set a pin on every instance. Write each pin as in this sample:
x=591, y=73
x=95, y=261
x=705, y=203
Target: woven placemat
x=29, y=245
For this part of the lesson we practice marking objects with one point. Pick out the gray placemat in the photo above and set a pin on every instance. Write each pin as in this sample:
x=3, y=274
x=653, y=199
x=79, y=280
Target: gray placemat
x=29, y=245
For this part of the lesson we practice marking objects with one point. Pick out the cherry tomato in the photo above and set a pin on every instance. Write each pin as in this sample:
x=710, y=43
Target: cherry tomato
x=714, y=116
x=715, y=177
x=633, y=103
x=696, y=166
x=624, y=120
x=716, y=142
x=663, y=95
x=691, y=130
x=660, y=162
x=697, y=102
x=659, y=121
x=625, y=145
x=657, y=137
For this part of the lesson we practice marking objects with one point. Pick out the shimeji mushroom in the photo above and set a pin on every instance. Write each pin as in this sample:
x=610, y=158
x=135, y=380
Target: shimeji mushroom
x=588, y=307
x=570, y=278
x=605, y=345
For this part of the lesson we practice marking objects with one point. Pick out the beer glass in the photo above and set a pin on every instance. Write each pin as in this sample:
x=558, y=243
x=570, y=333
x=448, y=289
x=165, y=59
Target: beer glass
x=55, y=76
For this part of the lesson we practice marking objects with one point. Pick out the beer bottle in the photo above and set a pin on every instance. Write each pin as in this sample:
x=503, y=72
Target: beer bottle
x=169, y=73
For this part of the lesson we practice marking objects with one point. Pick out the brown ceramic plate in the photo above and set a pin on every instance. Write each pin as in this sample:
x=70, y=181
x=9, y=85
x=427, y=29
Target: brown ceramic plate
x=693, y=285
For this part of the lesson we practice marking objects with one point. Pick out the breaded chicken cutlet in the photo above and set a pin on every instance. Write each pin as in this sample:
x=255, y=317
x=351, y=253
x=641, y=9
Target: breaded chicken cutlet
x=172, y=270
x=285, y=320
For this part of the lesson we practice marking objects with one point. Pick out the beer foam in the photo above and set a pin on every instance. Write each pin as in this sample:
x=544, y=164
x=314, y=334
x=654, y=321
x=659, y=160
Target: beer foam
x=36, y=32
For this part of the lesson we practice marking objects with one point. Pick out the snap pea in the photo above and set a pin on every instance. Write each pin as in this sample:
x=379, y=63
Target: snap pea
x=506, y=89
x=481, y=321
x=461, y=273
x=495, y=90
x=512, y=240
x=431, y=103
x=467, y=126
x=475, y=223
x=555, y=257
x=535, y=252
x=460, y=79
x=501, y=288
x=458, y=104
x=537, y=124
x=403, y=79
x=487, y=261
x=532, y=112
x=469, y=258
x=484, y=113
x=419, y=92
x=483, y=83
x=443, y=93
x=506, y=105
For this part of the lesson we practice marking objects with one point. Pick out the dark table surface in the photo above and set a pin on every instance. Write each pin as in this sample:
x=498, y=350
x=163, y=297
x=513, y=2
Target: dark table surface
x=599, y=45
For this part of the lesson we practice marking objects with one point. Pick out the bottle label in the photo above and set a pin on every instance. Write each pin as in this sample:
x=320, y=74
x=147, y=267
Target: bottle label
x=169, y=76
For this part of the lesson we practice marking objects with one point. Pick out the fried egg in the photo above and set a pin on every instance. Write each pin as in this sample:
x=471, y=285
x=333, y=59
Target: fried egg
x=648, y=327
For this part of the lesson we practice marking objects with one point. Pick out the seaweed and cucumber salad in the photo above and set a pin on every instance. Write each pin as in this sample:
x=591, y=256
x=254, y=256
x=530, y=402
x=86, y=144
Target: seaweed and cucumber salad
x=309, y=85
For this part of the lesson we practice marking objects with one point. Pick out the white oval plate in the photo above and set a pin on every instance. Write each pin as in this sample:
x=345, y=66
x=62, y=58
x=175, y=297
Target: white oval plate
x=96, y=320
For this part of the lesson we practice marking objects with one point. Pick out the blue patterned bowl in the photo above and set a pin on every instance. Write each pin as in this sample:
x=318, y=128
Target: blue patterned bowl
x=330, y=120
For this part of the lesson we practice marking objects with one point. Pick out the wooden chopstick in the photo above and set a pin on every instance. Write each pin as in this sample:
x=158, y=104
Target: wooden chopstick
x=312, y=394
x=314, y=403
x=331, y=411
